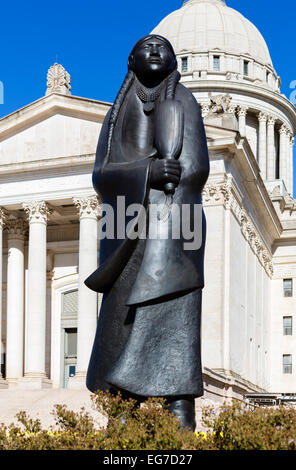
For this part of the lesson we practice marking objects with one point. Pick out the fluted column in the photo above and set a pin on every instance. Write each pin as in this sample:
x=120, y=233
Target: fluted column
x=242, y=113
x=283, y=154
x=262, y=118
x=35, y=376
x=89, y=211
x=15, y=301
x=2, y=223
x=270, y=149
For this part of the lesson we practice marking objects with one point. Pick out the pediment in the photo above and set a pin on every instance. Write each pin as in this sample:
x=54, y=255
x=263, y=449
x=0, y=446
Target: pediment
x=52, y=127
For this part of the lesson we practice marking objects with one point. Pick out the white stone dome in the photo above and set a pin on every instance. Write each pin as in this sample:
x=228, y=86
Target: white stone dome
x=209, y=25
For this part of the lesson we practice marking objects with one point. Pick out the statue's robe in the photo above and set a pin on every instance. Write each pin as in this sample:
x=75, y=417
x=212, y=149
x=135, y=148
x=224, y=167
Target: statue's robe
x=147, y=342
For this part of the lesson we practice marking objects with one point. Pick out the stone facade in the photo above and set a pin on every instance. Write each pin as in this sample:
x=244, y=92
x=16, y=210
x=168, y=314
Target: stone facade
x=49, y=218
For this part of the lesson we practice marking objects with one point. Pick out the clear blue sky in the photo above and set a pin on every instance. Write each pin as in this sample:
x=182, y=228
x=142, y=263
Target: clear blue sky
x=92, y=39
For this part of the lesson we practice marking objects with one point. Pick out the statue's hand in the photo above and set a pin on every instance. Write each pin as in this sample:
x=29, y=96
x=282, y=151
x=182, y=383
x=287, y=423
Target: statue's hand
x=164, y=171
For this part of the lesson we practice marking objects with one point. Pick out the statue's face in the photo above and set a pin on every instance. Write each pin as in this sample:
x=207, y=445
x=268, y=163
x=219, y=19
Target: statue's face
x=153, y=57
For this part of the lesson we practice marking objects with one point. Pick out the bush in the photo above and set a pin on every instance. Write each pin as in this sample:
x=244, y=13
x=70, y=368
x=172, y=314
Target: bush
x=152, y=427
x=236, y=428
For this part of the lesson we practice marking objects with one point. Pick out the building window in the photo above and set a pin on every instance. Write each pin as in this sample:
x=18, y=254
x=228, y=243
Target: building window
x=287, y=364
x=216, y=63
x=288, y=287
x=184, y=64
x=246, y=67
x=287, y=326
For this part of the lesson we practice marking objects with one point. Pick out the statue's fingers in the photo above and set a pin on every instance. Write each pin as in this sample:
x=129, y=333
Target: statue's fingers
x=171, y=178
x=173, y=171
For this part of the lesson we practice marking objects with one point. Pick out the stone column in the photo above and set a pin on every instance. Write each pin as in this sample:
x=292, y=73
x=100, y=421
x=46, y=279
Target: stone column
x=283, y=154
x=270, y=149
x=2, y=223
x=35, y=376
x=15, y=301
x=89, y=211
x=242, y=113
x=291, y=144
x=262, y=118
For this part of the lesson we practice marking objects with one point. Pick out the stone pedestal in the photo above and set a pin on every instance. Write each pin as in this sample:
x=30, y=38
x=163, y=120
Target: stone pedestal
x=33, y=381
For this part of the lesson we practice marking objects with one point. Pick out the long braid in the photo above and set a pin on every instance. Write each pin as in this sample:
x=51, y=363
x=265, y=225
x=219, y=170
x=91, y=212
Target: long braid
x=172, y=83
x=129, y=78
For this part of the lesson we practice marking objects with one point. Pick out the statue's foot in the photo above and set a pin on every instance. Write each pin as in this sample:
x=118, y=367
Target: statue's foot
x=184, y=410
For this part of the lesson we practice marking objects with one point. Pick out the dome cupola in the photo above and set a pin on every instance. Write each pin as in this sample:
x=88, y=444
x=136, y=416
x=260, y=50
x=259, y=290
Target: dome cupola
x=223, y=58
x=219, y=39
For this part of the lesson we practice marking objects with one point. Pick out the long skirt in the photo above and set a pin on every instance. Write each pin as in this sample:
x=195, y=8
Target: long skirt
x=149, y=350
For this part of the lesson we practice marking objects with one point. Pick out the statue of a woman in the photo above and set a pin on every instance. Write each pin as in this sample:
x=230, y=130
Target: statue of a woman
x=152, y=150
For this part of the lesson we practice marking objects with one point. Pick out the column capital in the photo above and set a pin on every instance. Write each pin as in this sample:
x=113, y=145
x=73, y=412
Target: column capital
x=88, y=207
x=292, y=140
x=205, y=109
x=16, y=228
x=242, y=110
x=3, y=217
x=270, y=120
x=262, y=117
x=37, y=211
x=232, y=108
x=284, y=129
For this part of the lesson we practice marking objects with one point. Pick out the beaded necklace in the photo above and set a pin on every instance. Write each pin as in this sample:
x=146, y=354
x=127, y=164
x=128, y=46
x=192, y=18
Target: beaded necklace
x=148, y=96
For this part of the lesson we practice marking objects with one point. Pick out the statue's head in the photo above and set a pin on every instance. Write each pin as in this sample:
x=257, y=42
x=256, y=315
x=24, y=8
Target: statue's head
x=152, y=55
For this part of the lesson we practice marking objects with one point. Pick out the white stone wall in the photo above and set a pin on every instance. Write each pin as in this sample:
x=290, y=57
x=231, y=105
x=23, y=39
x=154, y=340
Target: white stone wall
x=235, y=319
x=212, y=341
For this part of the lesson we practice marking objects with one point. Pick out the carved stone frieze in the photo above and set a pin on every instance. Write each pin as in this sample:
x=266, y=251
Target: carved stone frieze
x=223, y=193
x=220, y=103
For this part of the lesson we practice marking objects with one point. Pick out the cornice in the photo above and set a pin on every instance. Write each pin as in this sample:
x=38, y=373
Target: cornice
x=248, y=171
x=227, y=194
x=244, y=88
x=48, y=106
x=39, y=166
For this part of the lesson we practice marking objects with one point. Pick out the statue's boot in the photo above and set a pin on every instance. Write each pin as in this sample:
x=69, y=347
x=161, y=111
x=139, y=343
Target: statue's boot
x=184, y=410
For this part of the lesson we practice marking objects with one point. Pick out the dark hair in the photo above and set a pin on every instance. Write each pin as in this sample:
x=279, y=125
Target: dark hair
x=147, y=38
x=172, y=82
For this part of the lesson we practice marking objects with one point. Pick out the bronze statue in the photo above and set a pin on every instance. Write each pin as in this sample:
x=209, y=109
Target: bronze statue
x=152, y=150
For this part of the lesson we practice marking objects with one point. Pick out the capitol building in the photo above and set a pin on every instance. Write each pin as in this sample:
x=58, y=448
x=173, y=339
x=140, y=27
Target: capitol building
x=50, y=217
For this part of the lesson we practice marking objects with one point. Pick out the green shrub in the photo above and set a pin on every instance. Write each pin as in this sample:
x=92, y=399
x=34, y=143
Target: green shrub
x=152, y=427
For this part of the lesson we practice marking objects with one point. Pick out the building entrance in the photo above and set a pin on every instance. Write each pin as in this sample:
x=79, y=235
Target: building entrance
x=69, y=336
